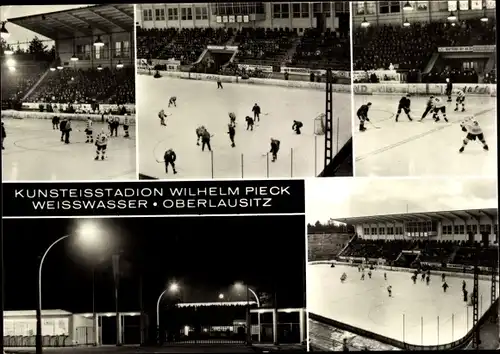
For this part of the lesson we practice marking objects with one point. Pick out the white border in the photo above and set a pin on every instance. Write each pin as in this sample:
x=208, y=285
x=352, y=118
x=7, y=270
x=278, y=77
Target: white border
x=351, y=53
x=148, y=216
x=136, y=100
x=169, y=180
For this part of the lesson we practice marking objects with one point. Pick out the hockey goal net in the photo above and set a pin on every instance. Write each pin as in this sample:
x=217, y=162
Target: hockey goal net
x=320, y=124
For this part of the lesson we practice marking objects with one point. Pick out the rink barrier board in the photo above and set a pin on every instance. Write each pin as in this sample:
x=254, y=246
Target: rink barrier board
x=78, y=106
x=253, y=81
x=424, y=89
x=409, y=270
x=46, y=115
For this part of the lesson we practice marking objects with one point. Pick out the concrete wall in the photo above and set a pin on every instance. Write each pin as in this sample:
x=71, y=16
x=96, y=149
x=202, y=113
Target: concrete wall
x=435, y=10
x=109, y=55
x=267, y=21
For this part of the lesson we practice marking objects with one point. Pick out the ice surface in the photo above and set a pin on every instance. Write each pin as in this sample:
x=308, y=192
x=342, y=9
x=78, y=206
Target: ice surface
x=427, y=148
x=365, y=304
x=201, y=103
x=33, y=151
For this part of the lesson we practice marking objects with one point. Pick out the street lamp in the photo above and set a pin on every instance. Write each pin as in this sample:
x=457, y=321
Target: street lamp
x=88, y=234
x=241, y=286
x=173, y=288
x=221, y=296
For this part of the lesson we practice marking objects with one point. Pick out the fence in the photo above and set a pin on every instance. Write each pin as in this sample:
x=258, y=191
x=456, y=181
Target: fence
x=206, y=335
x=30, y=341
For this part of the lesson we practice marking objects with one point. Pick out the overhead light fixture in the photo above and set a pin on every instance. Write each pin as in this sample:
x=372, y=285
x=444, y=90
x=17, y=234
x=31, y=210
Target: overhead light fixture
x=484, y=18
x=60, y=67
x=365, y=23
x=5, y=33
x=12, y=68
x=119, y=65
x=407, y=6
x=452, y=17
x=8, y=51
x=52, y=69
x=406, y=23
x=74, y=58
x=99, y=67
x=98, y=42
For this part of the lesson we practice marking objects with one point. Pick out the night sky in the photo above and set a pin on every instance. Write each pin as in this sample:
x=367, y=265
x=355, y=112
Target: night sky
x=204, y=255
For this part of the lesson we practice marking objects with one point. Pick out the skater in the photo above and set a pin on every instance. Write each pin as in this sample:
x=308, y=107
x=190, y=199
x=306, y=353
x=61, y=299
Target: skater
x=172, y=101
x=199, y=134
x=296, y=126
x=474, y=131
x=162, y=117
x=343, y=278
x=404, y=104
x=114, y=126
x=67, y=131
x=389, y=290
x=439, y=107
x=345, y=347
x=256, y=112
x=219, y=83
x=363, y=276
x=4, y=135
x=205, y=141
x=414, y=278
x=449, y=88
x=169, y=157
x=333, y=265
x=89, y=133
x=110, y=121
x=423, y=276
x=464, y=285
x=428, y=280
x=362, y=114
x=465, y=294
x=250, y=122
x=275, y=147
x=55, y=123
x=101, y=143
x=126, y=125
x=445, y=286
x=62, y=126
x=460, y=100
x=232, y=118
x=385, y=276
x=369, y=274
x=428, y=108
x=443, y=277
x=232, y=132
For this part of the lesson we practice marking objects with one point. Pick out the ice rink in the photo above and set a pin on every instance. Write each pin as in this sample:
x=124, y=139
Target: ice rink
x=430, y=316
x=427, y=148
x=33, y=151
x=201, y=103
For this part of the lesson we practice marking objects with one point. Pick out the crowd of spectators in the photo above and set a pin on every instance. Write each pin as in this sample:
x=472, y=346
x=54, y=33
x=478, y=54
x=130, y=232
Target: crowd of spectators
x=185, y=44
x=15, y=84
x=319, y=50
x=411, y=47
x=455, y=75
x=115, y=86
x=490, y=77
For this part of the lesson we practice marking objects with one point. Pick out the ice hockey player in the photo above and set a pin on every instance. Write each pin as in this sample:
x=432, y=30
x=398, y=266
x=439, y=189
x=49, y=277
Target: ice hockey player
x=428, y=108
x=275, y=147
x=443, y=277
x=199, y=133
x=67, y=130
x=445, y=286
x=363, y=115
x=414, y=279
x=62, y=125
x=219, y=83
x=126, y=125
x=250, y=122
x=256, y=112
x=169, y=157
x=89, y=132
x=232, y=132
x=4, y=135
x=460, y=100
x=296, y=126
x=439, y=107
x=56, y=121
x=232, y=118
x=474, y=131
x=449, y=88
x=110, y=121
x=389, y=290
x=172, y=101
x=115, y=125
x=101, y=143
x=404, y=104
x=162, y=117
x=343, y=277
x=205, y=140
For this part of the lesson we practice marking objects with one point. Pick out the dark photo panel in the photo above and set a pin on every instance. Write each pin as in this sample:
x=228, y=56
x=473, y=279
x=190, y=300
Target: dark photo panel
x=424, y=88
x=235, y=284
x=68, y=92
x=244, y=90
x=402, y=264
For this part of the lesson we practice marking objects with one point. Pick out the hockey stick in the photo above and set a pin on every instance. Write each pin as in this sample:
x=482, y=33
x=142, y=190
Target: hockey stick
x=373, y=125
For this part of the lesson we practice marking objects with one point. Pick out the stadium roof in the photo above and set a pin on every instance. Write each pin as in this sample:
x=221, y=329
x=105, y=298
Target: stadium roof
x=81, y=22
x=427, y=216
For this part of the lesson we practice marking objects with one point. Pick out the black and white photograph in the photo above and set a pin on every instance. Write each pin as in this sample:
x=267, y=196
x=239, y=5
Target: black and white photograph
x=68, y=92
x=402, y=264
x=155, y=284
x=424, y=76
x=244, y=90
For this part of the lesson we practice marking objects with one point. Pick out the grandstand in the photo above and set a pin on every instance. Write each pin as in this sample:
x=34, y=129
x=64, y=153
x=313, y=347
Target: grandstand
x=456, y=243
x=85, y=68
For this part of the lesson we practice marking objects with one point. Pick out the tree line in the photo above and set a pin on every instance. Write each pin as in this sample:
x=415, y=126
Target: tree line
x=330, y=226
x=36, y=50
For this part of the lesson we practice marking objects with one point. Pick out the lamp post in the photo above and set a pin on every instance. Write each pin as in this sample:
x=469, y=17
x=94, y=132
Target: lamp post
x=241, y=286
x=173, y=288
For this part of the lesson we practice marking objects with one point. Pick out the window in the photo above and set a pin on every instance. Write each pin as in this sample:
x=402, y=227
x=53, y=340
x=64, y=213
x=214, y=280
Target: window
x=342, y=6
x=321, y=8
x=452, y=6
x=490, y=4
x=476, y=5
x=388, y=7
x=300, y=10
x=201, y=13
x=359, y=8
x=186, y=13
x=147, y=15
x=463, y=5
x=366, y=230
x=474, y=229
x=420, y=5
x=462, y=229
x=281, y=11
x=444, y=230
x=118, y=49
x=469, y=228
x=102, y=52
x=173, y=14
x=455, y=230
x=125, y=49
x=390, y=231
x=381, y=230
x=159, y=14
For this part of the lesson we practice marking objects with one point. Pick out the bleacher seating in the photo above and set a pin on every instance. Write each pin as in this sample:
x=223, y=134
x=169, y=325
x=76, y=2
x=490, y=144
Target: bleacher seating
x=326, y=246
x=376, y=47
x=116, y=86
x=15, y=84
